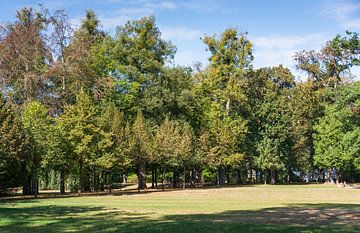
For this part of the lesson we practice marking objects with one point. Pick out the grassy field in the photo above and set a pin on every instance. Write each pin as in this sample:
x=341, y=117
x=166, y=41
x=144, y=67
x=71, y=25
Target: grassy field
x=280, y=208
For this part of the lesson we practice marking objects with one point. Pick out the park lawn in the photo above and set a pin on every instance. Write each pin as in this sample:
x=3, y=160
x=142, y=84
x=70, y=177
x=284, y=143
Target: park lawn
x=250, y=208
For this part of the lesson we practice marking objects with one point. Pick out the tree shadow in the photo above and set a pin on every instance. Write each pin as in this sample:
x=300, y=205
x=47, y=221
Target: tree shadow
x=292, y=218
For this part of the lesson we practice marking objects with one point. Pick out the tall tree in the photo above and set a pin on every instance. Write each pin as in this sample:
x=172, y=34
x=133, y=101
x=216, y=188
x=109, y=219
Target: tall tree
x=337, y=133
x=139, y=148
x=79, y=124
x=231, y=56
x=36, y=123
x=24, y=57
x=14, y=150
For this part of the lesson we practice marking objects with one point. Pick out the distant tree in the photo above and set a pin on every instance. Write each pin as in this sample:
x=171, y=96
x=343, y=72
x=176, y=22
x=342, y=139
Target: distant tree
x=81, y=131
x=14, y=148
x=139, y=146
x=36, y=123
x=138, y=55
x=172, y=147
x=273, y=122
x=231, y=56
x=337, y=136
x=24, y=57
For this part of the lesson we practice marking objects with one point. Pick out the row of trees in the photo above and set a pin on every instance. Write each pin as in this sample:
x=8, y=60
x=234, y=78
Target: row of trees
x=90, y=106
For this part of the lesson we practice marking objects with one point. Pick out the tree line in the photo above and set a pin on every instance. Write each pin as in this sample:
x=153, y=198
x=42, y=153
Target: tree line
x=88, y=107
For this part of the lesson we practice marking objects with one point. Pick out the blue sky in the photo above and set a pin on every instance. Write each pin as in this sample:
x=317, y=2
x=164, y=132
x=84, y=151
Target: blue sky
x=278, y=28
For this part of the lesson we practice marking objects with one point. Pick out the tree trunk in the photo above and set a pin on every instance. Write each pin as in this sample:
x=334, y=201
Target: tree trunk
x=93, y=180
x=101, y=180
x=141, y=176
x=110, y=183
x=26, y=190
x=228, y=177
x=273, y=176
x=174, y=179
x=62, y=181
x=81, y=177
x=265, y=176
x=238, y=176
x=35, y=186
x=337, y=176
x=330, y=176
x=156, y=178
x=202, y=178
x=221, y=176
x=184, y=181
x=121, y=180
x=162, y=180
x=152, y=178
x=288, y=175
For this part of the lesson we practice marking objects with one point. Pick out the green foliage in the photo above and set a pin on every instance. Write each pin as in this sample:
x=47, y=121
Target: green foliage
x=95, y=106
x=337, y=142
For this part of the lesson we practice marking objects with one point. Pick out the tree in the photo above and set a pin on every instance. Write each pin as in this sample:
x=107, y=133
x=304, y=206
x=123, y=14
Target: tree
x=59, y=155
x=327, y=68
x=138, y=55
x=79, y=124
x=112, y=145
x=139, y=146
x=337, y=133
x=36, y=123
x=271, y=120
x=14, y=148
x=231, y=56
x=172, y=147
x=24, y=57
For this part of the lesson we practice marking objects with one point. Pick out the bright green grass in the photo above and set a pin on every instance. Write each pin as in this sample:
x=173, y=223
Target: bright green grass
x=283, y=208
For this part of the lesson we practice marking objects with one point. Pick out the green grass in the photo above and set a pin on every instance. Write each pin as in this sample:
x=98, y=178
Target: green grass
x=281, y=208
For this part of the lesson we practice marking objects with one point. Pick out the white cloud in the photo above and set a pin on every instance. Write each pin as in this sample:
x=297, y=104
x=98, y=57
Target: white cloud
x=179, y=33
x=286, y=42
x=161, y=5
x=208, y=6
x=189, y=57
x=274, y=50
x=112, y=18
x=344, y=13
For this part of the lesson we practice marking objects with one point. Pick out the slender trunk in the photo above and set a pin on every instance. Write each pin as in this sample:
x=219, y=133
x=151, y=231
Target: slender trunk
x=121, y=180
x=62, y=181
x=184, y=181
x=35, y=186
x=110, y=183
x=174, y=179
x=26, y=190
x=93, y=180
x=221, y=176
x=156, y=178
x=162, y=180
x=249, y=173
x=238, y=176
x=288, y=175
x=152, y=178
x=81, y=177
x=330, y=176
x=273, y=176
x=102, y=181
x=202, y=177
x=265, y=176
x=141, y=176
x=337, y=176
x=228, y=177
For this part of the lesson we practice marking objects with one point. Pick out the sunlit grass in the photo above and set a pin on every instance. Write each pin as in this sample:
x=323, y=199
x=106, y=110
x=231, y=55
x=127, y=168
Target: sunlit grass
x=284, y=208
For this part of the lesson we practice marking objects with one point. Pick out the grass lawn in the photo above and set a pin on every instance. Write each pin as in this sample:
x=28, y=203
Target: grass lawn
x=258, y=208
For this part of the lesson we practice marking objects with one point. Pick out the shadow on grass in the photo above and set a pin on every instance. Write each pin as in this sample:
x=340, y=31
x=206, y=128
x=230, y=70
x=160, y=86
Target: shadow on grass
x=293, y=218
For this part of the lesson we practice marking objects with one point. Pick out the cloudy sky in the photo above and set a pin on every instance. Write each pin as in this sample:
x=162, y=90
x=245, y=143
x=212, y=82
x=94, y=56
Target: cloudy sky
x=278, y=28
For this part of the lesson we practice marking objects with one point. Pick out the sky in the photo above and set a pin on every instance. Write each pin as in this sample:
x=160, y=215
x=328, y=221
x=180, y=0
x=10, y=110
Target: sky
x=277, y=28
